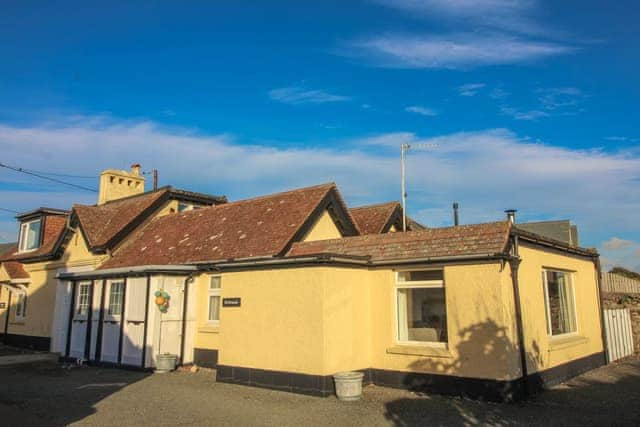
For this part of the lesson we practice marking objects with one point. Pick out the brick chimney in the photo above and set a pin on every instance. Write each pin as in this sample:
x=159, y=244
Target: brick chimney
x=116, y=184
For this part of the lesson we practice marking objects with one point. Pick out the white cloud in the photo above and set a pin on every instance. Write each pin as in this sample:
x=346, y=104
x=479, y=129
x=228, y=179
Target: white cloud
x=530, y=115
x=297, y=95
x=423, y=111
x=470, y=89
x=454, y=51
x=616, y=243
x=486, y=171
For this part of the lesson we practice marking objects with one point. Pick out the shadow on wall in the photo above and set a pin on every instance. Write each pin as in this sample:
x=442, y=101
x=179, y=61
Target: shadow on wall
x=486, y=350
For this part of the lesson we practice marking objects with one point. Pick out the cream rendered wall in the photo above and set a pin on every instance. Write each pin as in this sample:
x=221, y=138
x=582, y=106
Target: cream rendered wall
x=481, y=329
x=279, y=325
x=323, y=229
x=546, y=352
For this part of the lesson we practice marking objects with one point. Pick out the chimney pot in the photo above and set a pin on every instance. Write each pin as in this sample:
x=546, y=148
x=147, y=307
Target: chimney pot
x=456, y=220
x=511, y=215
x=135, y=169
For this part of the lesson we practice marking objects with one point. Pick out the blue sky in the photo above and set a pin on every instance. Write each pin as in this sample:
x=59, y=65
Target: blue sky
x=533, y=104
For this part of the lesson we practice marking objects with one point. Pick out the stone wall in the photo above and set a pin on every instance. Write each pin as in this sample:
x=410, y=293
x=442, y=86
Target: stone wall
x=632, y=302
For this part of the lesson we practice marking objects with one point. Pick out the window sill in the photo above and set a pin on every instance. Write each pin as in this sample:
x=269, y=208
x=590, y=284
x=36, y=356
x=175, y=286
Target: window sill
x=420, y=351
x=209, y=329
x=18, y=323
x=558, y=343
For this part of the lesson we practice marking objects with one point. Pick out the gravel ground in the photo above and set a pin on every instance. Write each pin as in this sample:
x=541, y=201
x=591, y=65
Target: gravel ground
x=52, y=395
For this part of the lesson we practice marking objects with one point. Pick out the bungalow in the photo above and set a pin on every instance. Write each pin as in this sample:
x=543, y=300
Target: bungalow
x=285, y=290
x=52, y=241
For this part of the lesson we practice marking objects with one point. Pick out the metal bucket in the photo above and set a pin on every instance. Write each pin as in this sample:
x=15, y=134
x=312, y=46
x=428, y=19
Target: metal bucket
x=166, y=363
x=348, y=385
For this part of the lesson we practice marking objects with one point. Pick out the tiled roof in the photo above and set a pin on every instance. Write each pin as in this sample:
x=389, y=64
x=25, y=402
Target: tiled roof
x=54, y=226
x=5, y=247
x=478, y=239
x=15, y=270
x=372, y=219
x=262, y=226
x=102, y=223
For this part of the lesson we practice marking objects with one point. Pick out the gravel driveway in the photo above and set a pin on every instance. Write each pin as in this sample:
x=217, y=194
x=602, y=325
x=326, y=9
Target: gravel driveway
x=53, y=395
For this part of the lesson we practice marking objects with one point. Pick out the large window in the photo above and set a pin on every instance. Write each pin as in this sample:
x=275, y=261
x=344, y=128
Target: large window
x=215, y=287
x=421, y=308
x=30, y=235
x=116, y=294
x=560, y=302
x=82, y=303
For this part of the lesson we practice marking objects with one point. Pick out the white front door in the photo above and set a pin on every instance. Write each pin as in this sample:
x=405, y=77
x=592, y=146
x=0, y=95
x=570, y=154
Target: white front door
x=135, y=307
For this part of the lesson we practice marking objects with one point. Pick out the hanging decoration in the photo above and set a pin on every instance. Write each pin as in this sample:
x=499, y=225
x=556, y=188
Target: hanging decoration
x=162, y=300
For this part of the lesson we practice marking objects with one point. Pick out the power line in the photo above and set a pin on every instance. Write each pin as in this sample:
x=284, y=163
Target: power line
x=61, y=174
x=81, y=187
x=9, y=210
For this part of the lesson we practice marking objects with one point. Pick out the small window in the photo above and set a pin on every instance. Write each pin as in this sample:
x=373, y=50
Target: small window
x=21, y=306
x=82, y=304
x=215, y=289
x=421, y=308
x=184, y=207
x=559, y=302
x=116, y=293
x=30, y=235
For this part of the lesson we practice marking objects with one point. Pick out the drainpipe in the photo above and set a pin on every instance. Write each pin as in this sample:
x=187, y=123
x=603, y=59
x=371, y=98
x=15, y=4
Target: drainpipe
x=514, y=263
x=7, y=313
x=603, y=331
x=185, y=299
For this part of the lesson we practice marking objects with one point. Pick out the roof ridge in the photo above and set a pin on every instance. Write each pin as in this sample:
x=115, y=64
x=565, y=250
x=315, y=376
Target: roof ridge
x=412, y=233
x=375, y=205
x=111, y=202
x=280, y=193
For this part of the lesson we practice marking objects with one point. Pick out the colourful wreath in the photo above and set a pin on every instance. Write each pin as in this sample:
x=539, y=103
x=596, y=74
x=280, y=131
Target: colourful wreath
x=162, y=300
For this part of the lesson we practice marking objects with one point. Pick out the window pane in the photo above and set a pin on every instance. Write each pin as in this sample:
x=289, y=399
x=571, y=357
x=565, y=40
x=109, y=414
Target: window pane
x=33, y=235
x=20, y=306
x=560, y=303
x=214, y=283
x=115, y=298
x=214, y=308
x=83, y=299
x=413, y=276
x=422, y=315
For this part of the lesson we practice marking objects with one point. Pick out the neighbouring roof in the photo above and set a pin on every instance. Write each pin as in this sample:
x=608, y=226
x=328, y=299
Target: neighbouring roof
x=258, y=227
x=54, y=226
x=477, y=239
x=102, y=224
x=4, y=247
x=375, y=219
x=561, y=230
x=15, y=270
x=41, y=211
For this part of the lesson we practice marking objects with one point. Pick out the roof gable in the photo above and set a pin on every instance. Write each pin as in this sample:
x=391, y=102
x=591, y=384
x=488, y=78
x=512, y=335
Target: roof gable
x=376, y=219
x=259, y=227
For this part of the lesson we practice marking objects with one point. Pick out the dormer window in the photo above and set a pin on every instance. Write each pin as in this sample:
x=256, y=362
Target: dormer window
x=30, y=235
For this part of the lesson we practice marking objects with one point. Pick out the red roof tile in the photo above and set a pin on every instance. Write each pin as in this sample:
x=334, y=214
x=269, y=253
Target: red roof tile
x=372, y=219
x=102, y=223
x=15, y=270
x=262, y=226
x=478, y=239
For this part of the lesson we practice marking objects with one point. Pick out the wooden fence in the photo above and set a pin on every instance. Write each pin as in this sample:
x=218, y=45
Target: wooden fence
x=619, y=284
x=617, y=323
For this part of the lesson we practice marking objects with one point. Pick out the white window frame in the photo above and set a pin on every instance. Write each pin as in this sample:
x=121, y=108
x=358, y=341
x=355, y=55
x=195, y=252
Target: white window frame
x=23, y=240
x=79, y=302
x=111, y=283
x=21, y=299
x=545, y=285
x=214, y=292
x=401, y=284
